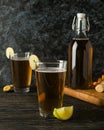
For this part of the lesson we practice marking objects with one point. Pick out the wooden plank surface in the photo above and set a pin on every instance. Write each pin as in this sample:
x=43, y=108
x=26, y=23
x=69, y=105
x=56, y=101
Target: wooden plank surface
x=20, y=112
x=89, y=95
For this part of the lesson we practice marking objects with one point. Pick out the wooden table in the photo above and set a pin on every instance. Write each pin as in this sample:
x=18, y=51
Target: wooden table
x=20, y=112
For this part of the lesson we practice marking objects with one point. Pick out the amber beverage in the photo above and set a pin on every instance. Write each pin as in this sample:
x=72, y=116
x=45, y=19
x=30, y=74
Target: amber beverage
x=50, y=83
x=21, y=73
x=80, y=63
x=80, y=54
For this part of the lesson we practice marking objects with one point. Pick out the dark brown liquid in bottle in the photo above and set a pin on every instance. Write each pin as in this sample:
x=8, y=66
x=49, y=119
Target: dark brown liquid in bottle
x=80, y=64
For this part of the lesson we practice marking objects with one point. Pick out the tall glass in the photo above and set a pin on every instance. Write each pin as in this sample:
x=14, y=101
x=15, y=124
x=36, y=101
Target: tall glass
x=21, y=72
x=50, y=81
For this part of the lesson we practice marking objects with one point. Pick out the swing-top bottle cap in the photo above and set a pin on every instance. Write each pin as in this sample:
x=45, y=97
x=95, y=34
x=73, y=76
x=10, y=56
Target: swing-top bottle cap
x=81, y=15
x=81, y=22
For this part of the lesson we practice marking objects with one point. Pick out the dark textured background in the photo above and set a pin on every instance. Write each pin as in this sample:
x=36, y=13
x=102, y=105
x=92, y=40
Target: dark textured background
x=44, y=28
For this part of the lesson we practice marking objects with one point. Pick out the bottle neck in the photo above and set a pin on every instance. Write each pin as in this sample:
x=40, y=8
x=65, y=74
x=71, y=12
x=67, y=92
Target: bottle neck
x=81, y=27
x=80, y=34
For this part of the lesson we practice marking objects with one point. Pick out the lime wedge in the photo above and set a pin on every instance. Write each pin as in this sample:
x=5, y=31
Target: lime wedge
x=9, y=52
x=63, y=113
x=55, y=114
x=33, y=59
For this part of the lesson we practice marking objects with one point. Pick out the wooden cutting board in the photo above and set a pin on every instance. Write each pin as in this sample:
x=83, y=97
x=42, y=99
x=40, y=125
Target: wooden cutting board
x=90, y=95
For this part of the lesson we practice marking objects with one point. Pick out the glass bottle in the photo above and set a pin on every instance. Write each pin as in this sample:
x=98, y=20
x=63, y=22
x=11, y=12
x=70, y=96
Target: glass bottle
x=80, y=54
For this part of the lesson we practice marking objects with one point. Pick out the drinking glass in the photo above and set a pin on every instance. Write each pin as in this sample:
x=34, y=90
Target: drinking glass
x=50, y=81
x=21, y=72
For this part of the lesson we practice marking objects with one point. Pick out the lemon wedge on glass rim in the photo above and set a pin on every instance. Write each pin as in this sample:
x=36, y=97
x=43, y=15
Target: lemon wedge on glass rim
x=63, y=113
x=9, y=52
x=33, y=59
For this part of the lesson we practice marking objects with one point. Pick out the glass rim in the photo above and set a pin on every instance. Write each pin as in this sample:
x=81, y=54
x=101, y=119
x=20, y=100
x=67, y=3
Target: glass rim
x=52, y=62
x=21, y=55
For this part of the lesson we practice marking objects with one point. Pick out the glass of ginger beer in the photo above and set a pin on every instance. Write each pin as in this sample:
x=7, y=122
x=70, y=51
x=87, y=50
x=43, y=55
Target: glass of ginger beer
x=50, y=82
x=21, y=72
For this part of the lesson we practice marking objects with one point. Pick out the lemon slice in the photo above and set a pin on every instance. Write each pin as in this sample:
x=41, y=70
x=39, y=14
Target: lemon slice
x=8, y=88
x=32, y=61
x=9, y=52
x=63, y=113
